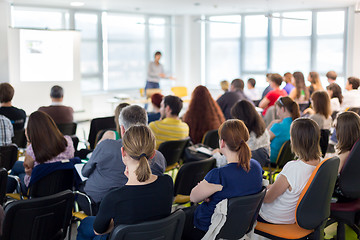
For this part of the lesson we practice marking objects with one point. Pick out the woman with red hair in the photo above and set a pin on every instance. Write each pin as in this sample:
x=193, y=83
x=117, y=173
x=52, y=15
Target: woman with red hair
x=203, y=114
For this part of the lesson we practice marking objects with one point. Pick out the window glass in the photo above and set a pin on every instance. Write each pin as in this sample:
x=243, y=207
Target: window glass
x=330, y=22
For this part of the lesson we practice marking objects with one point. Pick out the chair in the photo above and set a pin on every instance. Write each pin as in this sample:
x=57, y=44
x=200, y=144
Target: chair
x=324, y=140
x=98, y=124
x=242, y=213
x=67, y=128
x=211, y=139
x=38, y=219
x=189, y=175
x=3, y=182
x=313, y=206
x=19, y=138
x=172, y=151
x=179, y=91
x=169, y=228
x=348, y=183
x=8, y=156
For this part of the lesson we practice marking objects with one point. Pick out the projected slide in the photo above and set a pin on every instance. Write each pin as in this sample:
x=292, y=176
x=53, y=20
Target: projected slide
x=46, y=55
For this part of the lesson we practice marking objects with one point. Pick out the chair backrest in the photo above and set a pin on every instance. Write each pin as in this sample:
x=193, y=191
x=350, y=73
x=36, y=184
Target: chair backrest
x=324, y=140
x=38, y=219
x=190, y=174
x=49, y=182
x=211, y=139
x=67, y=128
x=98, y=124
x=242, y=213
x=349, y=176
x=173, y=150
x=285, y=154
x=19, y=138
x=8, y=156
x=179, y=91
x=3, y=182
x=169, y=228
x=313, y=206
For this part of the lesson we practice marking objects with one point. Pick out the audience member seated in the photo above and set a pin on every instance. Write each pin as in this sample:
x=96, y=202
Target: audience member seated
x=170, y=127
x=321, y=112
x=331, y=77
x=252, y=93
x=300, y=93
x=289, y=83
x=352, y=96
x=156, y=100
x=46, y=145
x=270, y=98
x=347, y=133
x=315, y=82
x=145, y=196
x=268, y=88
x=17, y=116
x=228, y=99
x=240, y=177
x=6, y=130
x=279, y=129
x=57, y=111
x=105, y=168
x=281, y=198
x=336, y=97
x=203, y=114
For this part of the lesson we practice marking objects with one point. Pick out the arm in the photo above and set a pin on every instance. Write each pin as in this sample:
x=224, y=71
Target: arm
x=204, y=190
x=264, y=103
x=276, y=189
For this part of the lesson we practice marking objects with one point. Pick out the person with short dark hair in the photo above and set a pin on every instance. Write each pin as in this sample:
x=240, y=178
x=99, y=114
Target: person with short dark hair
x=252, y=93
x=57, y=111
x=170, y=127
x=17, y=116
x=331, y=76
x=281, y=198
x=235, y=94
x=270, y=98
x=352, y=96
x=288, y=80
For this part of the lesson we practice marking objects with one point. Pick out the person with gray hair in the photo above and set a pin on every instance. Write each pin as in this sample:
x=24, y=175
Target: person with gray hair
x=105, y=168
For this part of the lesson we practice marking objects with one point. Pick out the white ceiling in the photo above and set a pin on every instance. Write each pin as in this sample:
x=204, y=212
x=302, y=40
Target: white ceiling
x=193, y=7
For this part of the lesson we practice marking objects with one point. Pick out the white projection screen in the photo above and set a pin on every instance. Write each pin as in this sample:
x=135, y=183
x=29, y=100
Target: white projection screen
x=46, y=56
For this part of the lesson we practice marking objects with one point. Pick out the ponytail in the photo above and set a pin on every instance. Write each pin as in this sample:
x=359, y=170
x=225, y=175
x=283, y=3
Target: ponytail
x=244, y=155
x=143, y=171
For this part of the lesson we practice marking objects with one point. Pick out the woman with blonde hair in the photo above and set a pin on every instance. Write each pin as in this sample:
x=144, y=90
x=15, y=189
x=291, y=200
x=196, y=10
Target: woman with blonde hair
x=241, y=176
x=126, y=205
x=314, y=79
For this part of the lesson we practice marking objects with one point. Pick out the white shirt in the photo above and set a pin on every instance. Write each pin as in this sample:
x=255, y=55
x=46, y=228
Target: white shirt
x=282, y=209
x=351, y=99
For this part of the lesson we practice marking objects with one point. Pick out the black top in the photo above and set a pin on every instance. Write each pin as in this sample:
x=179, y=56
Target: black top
x=135, y=204
x=17, y=116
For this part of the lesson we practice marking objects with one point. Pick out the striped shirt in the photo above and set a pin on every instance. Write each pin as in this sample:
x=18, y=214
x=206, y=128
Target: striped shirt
x=169, y=129
x=6, y=131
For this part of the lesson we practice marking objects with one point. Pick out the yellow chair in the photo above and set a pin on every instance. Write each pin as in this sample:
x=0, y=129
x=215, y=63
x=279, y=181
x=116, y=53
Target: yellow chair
x=179, y=91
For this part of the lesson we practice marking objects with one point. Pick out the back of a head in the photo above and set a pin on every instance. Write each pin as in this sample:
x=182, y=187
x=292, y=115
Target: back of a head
x=321, y=103
x=132, y=115
x=290, y=105
x=245, y=111
x=276, y=78
x=57, y=92
x=139, y=143
x=336, y=91
x=46, y=139
x=175, y=103
x=305, y=139
x=331, y=75
x=237, y=84
x=347, y=130
x=156, y=99
x=354, y=82
x=6, y=92
x=235, y=135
